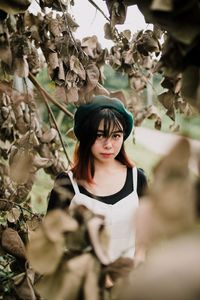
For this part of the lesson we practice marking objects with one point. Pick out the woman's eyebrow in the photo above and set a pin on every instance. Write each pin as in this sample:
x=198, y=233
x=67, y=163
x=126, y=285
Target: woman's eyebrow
x=115, y=131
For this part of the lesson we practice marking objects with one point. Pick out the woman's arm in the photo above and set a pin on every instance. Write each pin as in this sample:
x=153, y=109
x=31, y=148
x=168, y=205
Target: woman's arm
x=61, y=194
x=141, y=183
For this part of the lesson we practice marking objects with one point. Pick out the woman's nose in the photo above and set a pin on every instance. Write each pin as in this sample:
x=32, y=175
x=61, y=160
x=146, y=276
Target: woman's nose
x=108, y=143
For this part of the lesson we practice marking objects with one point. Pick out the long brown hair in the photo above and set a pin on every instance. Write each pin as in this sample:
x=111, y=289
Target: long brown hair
x=83, y=166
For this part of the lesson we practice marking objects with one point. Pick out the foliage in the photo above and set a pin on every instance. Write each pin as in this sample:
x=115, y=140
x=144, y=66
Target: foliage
x=70, y=249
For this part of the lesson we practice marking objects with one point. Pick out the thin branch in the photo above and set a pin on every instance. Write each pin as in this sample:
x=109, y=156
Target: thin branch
x=42, y=90
x=55, y=123
x=18, y=205
x=99, y=9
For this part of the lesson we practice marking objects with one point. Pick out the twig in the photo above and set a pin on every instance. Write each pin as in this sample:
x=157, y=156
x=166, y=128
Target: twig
x=42, y=90
x=18, y=205
x=55, y=123
x=99, y=9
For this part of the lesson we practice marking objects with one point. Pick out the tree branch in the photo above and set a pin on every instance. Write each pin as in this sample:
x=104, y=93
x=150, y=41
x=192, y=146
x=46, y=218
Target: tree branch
x=42, y=90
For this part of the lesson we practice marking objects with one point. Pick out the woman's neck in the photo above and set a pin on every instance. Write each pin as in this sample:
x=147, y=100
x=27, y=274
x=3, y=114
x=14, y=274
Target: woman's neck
x=111, y=165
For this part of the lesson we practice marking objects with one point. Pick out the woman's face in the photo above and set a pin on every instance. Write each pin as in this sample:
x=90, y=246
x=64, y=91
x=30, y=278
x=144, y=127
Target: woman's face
x=106, y=148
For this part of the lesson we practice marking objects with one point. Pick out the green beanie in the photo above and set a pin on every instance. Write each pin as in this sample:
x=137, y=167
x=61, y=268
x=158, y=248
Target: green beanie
x=100, y=102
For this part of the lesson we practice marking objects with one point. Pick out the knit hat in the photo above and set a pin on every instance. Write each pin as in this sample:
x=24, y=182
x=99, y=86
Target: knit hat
x=97, y=103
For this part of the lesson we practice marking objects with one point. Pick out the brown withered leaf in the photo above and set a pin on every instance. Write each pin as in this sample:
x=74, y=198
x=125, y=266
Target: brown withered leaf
x=12, y=243
x=120, y=268
x=43, y=254
x=60, y=93
x=99, y=238
x=127, y=34
x=5, y=205
x=42, y=162
x=58, y=222
x=167, y=100
x=13, y=215
x=46, y=245
x=53, y=61
x=147, y=43
x=19, y=6
x=175, y=265
x=70, y=134
x=53, y=25
x=89, y=45
x=118, y=13
x=71, y=23
x=153, y=113
x=128, y=57
x=168, y=210
x=160, y=5
x=21, y=166
x=100, y=90
x=120, y=95
x=5, y=53
x=92, y=79
x=49, y=135
x=77, y=276
x=137, y=82
x=23, y=285
x=77, y=67
x=108, y=32
x=190, y=86
x=72, y=95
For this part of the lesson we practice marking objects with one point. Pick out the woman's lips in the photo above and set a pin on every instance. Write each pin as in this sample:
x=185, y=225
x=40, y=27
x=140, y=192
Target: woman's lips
x=106, y=154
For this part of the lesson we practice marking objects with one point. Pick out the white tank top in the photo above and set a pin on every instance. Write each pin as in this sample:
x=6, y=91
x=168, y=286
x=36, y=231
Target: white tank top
x=119, y=218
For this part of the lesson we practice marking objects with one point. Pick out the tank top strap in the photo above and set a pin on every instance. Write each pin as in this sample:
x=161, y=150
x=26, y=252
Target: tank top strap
x=135, y=178
x=74, y=183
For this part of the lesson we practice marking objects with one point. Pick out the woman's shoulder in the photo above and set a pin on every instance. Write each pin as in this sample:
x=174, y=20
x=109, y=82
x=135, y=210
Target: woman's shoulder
x=142, y=181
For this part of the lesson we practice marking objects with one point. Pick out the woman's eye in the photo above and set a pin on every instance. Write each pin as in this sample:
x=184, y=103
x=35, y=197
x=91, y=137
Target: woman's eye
x=99, y=135
x=116, y=136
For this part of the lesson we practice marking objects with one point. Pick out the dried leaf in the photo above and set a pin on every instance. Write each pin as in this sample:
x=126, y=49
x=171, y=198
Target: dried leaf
x=72, y=95
x=79, y=275
x=77, y=67
x=49, y=135
x=12, y=243
x=118, y=13
x=19, y=6
x=46, y=245
x=24, y=285
x=108, y=32
x=99, y=239
x=13, y=215
x=166, y=6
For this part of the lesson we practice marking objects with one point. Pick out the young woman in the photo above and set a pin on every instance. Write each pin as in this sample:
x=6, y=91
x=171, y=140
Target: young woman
x=102, y=177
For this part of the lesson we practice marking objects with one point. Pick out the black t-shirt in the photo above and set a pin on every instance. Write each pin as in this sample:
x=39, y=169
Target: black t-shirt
x=63, y=191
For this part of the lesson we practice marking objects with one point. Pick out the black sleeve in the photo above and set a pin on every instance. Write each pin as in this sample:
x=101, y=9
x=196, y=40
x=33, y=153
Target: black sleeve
x=141, y=182
x=61, y=194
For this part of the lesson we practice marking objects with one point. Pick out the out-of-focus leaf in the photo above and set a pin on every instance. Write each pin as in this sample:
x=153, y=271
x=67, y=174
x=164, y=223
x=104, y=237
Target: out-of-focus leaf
x=46, y=245
x=77, y=276
x=24, y=285
x=166, y=5
x=15, y=7
x=175, y=265
x=99, y=239
x=190, y=85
